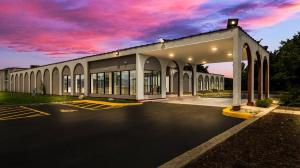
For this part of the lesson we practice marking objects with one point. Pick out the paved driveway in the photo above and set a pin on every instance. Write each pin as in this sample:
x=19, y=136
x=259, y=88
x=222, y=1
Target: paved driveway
x=136, y=136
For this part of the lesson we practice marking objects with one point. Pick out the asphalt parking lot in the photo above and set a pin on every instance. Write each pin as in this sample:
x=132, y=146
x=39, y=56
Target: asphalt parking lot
x=146, y=135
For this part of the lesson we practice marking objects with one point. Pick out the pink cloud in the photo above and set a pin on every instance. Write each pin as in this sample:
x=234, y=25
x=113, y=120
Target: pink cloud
x=82, y=26
x=271, y=15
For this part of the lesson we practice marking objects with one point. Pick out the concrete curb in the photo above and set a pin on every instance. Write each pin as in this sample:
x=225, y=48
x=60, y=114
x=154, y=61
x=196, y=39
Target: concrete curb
x=287, y=111
x=193, y=154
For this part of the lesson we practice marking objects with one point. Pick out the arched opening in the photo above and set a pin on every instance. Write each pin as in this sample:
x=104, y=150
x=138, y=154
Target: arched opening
x=79, y=79
x=39, y=83
x=17, y=83
x=247, y=73
x=200, y=83
x=32, y=79
x=66, y=76
x=21, y=83
x=221, y=84
x=206, y=86
x=176, y=84
x=26, y=83
x=46, y=81
x=188, y=79
x=55, y=81
x=152, y=77
x=186, y=83
x=266, y=77
x=172, y=78
x=212, y=83
x=257, y=76
x=12, y=83
x=217, y=83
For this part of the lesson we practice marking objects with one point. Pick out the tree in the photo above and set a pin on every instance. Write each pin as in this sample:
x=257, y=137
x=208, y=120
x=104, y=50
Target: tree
x=285, y=65
x=202, y=68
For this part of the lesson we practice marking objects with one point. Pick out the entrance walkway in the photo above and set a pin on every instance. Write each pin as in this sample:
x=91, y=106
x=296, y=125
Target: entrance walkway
x=196, y=100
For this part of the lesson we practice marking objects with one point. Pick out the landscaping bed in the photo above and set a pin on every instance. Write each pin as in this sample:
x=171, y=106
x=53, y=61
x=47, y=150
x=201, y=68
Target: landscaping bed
x=272, y=141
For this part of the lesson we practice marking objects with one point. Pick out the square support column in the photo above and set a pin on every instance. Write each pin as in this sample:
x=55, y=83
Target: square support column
x=237, y=58
x=72, y=81
x=60, y=84
x=139, y=77
x=180, y=76
x=86, y=78
x=194, y=80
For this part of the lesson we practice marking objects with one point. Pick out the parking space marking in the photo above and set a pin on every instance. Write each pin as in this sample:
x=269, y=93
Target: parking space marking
x=19, y=112
x=97, y=105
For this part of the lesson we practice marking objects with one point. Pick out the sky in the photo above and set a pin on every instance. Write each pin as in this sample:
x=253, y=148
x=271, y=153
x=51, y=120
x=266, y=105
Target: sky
x=39, y=32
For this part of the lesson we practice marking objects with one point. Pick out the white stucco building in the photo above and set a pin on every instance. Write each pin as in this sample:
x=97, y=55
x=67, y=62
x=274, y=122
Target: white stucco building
x=154, y=70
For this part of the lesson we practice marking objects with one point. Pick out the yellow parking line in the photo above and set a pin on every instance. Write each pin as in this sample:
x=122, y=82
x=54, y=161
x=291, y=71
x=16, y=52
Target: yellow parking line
x=15, y=112
x=10, y=110
x=12, y=118
x=88, y=105
x=38, y=111
x=5, y=108
x=17, y=115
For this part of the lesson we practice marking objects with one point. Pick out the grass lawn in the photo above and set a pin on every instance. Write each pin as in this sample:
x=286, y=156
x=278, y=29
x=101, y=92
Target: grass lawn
x=10, y=98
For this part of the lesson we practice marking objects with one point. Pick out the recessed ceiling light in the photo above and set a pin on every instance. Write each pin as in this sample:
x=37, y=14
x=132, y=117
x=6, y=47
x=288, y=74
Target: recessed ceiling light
x=190, y=59
x=204, y=62
x=171, y=55
x=214, y=48
x=229, y=54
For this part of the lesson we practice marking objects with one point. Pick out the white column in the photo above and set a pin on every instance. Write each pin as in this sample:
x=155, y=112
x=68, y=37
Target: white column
x=139, y=77
x=72, y=81
x=194, y=81
x=86, y=78
x=171, y=80
x=163, y=64
x=60, y=85
x=180, y=73
x=50, y=80
x=237, y=53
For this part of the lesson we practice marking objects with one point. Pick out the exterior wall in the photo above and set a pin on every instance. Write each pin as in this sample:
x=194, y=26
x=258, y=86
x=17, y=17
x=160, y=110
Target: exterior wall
x=5, y=75
x=133, y=58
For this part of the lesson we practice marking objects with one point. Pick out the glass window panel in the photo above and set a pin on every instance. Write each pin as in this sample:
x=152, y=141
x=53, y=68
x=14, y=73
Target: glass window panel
x=65, y=84
x=100, y=83
x=147, y=82
x=82, y=83
x=108, y=82
x=93, y=83
x=132, y=82
x=77, y=83
x=69, y=84
x=117, y=82
x=125, y=82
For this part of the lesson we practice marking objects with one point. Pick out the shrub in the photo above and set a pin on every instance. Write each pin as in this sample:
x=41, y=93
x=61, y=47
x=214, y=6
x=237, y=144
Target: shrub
x=292, y=98
x=264, y=102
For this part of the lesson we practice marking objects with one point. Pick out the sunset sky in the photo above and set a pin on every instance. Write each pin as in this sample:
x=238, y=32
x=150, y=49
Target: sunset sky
x=47, y=31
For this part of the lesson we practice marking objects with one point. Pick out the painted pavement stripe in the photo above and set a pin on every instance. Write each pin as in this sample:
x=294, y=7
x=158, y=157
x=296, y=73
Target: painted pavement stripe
x=12, y=118
x=15, y=112
x=17, y=115
x=11, y=110
x=38, y=111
